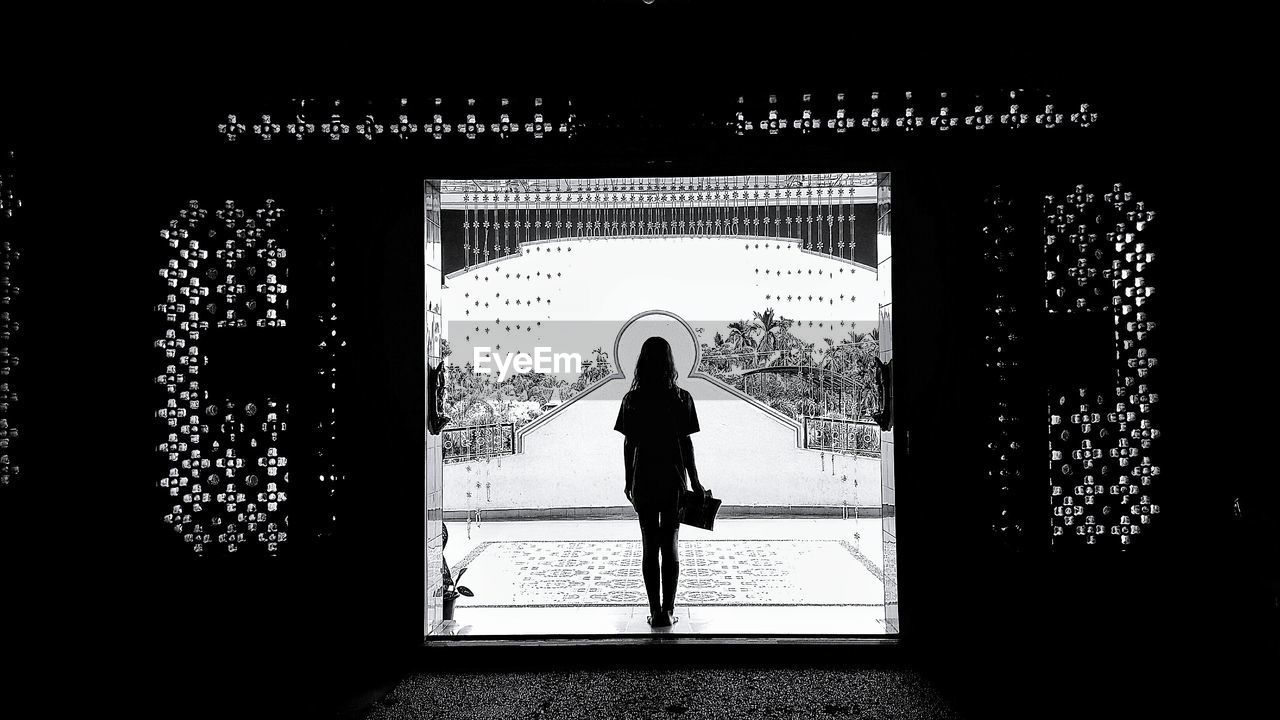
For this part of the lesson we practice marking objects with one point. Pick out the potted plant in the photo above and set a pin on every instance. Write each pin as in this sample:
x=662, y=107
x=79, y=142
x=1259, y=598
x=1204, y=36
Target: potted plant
x=451, y=589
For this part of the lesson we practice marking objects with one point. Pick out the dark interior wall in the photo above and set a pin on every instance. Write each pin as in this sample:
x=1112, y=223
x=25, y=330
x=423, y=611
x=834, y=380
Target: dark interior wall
x=102, y=580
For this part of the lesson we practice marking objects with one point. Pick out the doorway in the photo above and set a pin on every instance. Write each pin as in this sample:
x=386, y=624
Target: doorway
x=775, y=295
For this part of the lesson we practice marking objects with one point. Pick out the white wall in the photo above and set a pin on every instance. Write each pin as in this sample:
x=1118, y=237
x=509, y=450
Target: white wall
x=583, y=290
x=743, y=454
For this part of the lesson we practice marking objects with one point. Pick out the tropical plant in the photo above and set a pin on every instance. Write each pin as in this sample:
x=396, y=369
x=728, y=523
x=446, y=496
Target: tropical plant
x=772, y=327
x=450, y=590
x=741, y=332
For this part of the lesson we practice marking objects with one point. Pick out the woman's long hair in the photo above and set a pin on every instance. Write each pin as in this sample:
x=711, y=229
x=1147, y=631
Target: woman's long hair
x=656, y=368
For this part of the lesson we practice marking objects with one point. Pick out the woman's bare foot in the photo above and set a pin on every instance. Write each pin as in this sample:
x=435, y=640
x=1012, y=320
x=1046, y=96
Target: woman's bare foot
x=660, y=619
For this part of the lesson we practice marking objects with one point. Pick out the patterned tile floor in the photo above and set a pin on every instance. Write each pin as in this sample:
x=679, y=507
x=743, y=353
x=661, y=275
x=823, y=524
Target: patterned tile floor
x=750, y=576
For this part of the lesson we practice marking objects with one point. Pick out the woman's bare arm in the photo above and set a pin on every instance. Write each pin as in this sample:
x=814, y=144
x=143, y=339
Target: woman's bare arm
x=686, y=447
x=628, y=459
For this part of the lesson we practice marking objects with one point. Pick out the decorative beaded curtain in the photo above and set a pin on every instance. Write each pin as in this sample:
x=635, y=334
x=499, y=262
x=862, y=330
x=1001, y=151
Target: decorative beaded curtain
x=816, y=210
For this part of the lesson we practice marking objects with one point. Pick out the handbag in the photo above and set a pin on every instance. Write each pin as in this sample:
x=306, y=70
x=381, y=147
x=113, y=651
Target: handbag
x=696, y=509
x=699, y=509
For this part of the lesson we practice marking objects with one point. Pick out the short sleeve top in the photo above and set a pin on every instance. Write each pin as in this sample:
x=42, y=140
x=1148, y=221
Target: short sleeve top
x=657, y=424
x=641, y=418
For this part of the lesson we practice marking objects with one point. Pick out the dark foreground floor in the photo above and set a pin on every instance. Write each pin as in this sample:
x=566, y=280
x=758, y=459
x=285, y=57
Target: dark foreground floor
x=686, y=693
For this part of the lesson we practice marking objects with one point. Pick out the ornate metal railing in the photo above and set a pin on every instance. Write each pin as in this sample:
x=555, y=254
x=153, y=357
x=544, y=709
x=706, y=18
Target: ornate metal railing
x=475, y=442
x=792, y=382
x=847, y=437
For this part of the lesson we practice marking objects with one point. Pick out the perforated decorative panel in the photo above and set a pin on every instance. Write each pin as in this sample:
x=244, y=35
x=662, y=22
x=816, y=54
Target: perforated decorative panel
x=227, y=476
x=1005, y=464
x=329, y=348
x=333, y=120
x=899, y=112
x=10, y=326
x=1102, y=431
x=9, y=202
x=907, y=113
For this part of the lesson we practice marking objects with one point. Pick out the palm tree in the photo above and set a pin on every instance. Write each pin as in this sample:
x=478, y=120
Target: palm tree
x=773, y=328
x=862, y=347
x=741, y=332
x=828, y=354
x=786, y=324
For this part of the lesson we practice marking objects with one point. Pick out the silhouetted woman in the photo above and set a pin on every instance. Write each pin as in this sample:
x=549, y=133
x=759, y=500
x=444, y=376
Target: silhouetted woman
x=657, y=417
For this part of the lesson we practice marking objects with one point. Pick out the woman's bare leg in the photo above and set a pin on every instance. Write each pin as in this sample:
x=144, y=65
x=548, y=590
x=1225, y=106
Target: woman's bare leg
x=650, y=539
x=669, y=530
